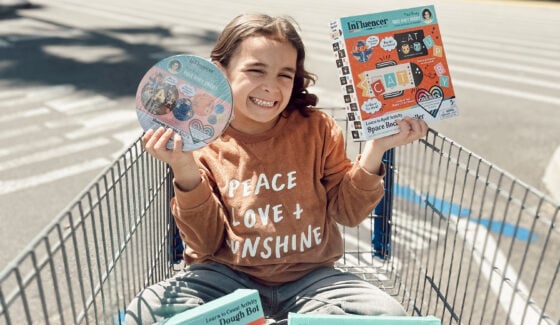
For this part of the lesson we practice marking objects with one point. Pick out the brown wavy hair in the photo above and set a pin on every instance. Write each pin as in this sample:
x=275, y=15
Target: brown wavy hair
x=277, y=28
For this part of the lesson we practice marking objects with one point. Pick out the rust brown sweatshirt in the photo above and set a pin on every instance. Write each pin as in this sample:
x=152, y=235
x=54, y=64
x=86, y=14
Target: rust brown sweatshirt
x=268, y=204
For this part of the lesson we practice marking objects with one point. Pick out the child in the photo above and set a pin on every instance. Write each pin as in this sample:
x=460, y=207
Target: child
x=258, y=208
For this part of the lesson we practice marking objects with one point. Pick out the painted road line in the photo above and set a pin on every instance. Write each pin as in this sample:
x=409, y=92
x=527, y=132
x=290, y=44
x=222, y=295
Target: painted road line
x=507, y=286
x=77, y=106
x=102, y=123
x=57, y=152
x=493, y=265
x=501, y=54
x=38, y=95
x=7, y=187
x=24, y=114
x=19, y=131
x=541, y=83
x=553, y=100
x=551, y=177
x=498, y=64
x=30, y=146
x=447, y=208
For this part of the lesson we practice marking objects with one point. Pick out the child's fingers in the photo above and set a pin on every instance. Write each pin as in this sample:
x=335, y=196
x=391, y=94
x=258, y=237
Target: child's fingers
x=177, y=142
x=163, y=139
x=412, y=129
x=147, y=136
x=419, y=127
x=150, y=138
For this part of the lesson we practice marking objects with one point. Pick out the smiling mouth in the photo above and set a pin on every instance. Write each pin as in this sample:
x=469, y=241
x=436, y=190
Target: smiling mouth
x=262, y=102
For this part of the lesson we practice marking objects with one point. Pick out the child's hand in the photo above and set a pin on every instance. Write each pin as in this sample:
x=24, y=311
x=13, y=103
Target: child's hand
x=410, y=131
x=184, y=166
x=155, y=143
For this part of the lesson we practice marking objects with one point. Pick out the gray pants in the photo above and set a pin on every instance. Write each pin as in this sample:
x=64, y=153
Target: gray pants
x=323, y=291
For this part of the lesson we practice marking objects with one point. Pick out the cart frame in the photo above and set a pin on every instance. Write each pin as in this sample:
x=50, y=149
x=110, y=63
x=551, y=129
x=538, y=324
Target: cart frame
x=462, y=240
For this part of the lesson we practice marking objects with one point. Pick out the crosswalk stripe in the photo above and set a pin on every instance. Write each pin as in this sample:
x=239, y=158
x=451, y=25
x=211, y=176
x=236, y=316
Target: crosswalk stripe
x=57, y=152
x=24, y=114
x=33, y=145
x=37, y=94
x=508, y=92
x=76, y=106
x=7, y=187
x=11, y=133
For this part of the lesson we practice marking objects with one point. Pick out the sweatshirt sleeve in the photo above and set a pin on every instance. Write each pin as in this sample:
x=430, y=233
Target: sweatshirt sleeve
x=200, y=219
x=352, y=192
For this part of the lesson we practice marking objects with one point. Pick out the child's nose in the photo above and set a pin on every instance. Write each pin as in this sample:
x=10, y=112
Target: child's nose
x=270, y=85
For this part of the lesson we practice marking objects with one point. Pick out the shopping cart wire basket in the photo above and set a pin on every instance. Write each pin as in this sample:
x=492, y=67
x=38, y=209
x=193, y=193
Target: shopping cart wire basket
x=455, y=237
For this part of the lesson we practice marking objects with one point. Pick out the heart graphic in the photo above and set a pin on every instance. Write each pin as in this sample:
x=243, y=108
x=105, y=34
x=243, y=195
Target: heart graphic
x=199, y=131
x=430, y=100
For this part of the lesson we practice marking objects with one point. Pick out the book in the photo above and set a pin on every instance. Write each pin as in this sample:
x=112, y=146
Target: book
x=241, y=307
x=392, y=64
x=315, y=319
x=188, y=94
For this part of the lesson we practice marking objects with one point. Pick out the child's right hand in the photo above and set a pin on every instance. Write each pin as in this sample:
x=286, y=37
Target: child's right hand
x=184, y=166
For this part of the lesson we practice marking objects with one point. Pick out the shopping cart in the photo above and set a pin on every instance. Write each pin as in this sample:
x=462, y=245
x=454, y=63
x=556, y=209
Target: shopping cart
x=461, y=240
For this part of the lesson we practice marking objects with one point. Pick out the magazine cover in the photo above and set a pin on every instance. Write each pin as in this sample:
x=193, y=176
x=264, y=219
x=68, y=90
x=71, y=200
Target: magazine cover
x=241, y=307
x=188, y=94
x=391, y=65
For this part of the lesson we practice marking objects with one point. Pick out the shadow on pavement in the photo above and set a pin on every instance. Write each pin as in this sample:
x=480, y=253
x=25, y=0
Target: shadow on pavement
x=99, y=61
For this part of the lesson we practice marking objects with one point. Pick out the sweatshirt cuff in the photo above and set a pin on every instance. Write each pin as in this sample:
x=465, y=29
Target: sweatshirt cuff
x=193, y=198
x=365, y=180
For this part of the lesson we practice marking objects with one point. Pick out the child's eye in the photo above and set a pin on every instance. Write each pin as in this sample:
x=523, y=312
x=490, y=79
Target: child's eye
x=287, y=76
x=255, y=71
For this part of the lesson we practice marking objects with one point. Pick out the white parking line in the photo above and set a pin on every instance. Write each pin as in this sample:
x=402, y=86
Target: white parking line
x=25, y=96
x=30, y=146
x=24, y=114
x=553, y=100
x=506, y=285
x=7, y=187
x=77, y=106
x=53, y=153
x=19, y=132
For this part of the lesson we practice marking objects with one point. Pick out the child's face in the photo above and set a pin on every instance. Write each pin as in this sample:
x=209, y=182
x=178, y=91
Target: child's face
x=261, y=73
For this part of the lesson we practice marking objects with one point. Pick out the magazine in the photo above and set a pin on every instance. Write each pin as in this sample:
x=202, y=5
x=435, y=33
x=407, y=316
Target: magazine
x=188, y=94
x=391, y=65
x=241, y=307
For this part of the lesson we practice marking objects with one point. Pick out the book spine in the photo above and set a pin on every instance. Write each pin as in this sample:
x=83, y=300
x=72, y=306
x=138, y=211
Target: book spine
x=347, y=85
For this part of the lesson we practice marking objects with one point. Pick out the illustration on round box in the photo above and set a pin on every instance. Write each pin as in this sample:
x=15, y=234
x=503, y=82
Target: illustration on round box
x=188, y=94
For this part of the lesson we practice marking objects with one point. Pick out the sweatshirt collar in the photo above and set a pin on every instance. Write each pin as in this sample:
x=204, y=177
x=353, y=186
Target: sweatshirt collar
x=253, y=138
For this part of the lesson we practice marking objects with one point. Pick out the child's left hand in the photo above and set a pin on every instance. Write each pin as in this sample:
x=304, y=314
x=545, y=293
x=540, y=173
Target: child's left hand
x=410, y=130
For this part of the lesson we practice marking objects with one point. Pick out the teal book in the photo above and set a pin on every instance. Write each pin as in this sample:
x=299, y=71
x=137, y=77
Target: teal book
x=312, y=319
x=241, y=307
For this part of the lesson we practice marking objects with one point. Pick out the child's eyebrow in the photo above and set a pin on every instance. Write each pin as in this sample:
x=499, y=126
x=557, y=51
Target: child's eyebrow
x=264, y=65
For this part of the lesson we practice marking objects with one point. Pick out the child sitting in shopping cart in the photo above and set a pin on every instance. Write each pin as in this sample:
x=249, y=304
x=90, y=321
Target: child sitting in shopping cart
x=259, y=207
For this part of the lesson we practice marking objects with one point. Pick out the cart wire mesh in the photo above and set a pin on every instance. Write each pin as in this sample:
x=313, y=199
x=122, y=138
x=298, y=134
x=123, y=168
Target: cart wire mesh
x=88, y=264
x=463, y=241
x=468, y=242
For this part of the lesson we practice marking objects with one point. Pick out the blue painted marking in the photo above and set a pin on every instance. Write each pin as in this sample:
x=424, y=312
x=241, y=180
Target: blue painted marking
x=119, y=319
x=508, y=229
x=446, y=207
